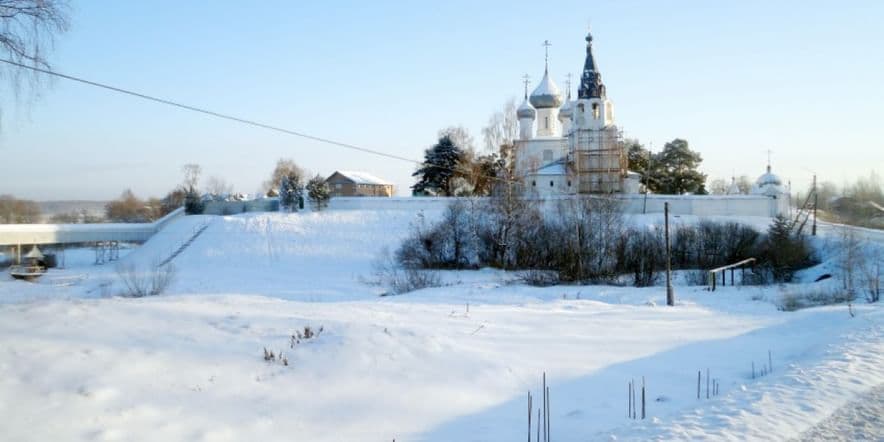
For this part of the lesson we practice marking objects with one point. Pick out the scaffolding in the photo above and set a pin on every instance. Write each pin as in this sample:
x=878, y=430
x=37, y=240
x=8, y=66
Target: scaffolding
x=599, y=160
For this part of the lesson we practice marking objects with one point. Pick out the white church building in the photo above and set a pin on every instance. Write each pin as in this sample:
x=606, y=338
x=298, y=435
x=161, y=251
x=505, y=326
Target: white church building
x=573, y=147
x=570, y=146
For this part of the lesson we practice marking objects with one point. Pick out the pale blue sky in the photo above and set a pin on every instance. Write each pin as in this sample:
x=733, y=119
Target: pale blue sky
x=733, y=78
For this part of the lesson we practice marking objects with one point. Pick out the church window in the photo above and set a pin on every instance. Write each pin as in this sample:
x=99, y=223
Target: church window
x=533, y=183
x=546, y=122
x=569, y=183
x=595, y=111
x=551, y=184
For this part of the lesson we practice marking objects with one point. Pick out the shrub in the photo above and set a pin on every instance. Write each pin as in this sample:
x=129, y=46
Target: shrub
x=139, y=284
x=386, y=272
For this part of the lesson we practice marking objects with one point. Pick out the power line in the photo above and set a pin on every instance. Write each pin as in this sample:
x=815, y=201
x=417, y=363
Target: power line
x=209, y=112
x=247, y=121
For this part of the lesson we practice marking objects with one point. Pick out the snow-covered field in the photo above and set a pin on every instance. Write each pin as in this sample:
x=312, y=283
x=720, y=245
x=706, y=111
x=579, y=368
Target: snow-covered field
x=441, y=364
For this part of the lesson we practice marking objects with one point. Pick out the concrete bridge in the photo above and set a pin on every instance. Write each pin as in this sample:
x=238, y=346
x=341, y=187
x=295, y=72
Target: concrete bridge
x=17, y=236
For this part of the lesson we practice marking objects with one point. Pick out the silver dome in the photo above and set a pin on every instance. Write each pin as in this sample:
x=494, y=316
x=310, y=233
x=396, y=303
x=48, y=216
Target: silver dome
x=566, y=112
x=526, y=111
x=547, y=94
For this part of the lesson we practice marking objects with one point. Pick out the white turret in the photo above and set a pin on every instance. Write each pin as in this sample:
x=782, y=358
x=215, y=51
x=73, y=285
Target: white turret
x=566, y=112
x=547, y=98
x=526, y=115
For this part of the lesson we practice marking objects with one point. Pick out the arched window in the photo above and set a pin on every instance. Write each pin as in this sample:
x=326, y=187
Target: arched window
x=551, y=184
x=546, y=122
x=533, y=183
x=595, y=111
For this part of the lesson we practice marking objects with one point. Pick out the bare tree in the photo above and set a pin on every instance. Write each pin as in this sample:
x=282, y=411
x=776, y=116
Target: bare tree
x=502, y=128
x=850, y=259
x=284, y=167
x=744, y=184
x=218, y=186
x=27, y=32
x=192, y=172
x=872, y=273
x=718, y=186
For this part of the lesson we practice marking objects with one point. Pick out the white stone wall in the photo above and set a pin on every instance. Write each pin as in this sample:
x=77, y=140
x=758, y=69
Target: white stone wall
x=698, y=205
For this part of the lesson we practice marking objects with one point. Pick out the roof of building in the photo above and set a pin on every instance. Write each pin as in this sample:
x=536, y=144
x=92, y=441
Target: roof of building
x=554, y=168
x=591, y=80
x=546, y=94
x=362, y=178
x=526, y=111
x=35, y=253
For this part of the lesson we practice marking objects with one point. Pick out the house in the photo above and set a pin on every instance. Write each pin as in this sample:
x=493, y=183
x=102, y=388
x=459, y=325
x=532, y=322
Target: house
x=350, y=183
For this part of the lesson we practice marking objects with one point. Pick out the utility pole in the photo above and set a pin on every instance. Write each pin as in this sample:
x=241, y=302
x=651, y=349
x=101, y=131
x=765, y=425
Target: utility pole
x=670, y=295
x=815, y=201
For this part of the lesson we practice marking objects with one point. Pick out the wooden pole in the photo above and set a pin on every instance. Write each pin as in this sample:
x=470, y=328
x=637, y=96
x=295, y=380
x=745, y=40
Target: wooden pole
x=815, y=201
x=670, y=295
x=530, y=409
x=643, y=397
x=548, y=416
x=699, y=374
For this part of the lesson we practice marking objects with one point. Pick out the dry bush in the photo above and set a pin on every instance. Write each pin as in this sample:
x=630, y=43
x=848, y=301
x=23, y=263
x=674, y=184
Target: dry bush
x=386, y=272
x=152, y=282
x=796, y=298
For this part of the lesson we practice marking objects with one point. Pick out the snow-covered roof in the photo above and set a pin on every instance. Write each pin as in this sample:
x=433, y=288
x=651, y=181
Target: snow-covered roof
x=363, y=178
x=525, y=111
x=35, y=253
x=547, y=94
x=554, y=168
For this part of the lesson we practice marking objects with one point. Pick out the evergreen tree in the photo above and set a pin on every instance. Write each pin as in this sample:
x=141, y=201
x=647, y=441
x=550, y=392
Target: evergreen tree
x=318, y=192
x=291, y=194
x=675, y=170
x=783, y=252
x=440, y=168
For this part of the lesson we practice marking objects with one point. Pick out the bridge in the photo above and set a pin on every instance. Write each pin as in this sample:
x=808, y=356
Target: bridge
x=17, y=236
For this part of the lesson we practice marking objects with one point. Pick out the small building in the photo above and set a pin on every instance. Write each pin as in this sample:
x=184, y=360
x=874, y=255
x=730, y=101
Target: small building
x=350, y=183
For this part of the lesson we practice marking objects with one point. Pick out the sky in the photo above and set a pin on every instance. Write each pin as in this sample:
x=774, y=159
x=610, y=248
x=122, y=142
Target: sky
x=735, y=79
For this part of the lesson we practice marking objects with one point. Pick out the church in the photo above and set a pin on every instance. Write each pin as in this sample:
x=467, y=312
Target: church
x=567, y=146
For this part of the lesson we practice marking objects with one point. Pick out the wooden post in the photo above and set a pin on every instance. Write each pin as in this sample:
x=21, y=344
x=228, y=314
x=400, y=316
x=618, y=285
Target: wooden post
x=732, y=276
x=530, y=409
x=670, y=295
x=815, y=201
x=707, y=383
x=643, y=397
x=699, y=374
x=769, y=361
x=712, y=276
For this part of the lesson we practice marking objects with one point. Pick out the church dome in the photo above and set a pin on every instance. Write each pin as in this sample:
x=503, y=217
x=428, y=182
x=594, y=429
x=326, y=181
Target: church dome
x=566, y=112
x=768, y=184
x=547, y=94
x=526, y=111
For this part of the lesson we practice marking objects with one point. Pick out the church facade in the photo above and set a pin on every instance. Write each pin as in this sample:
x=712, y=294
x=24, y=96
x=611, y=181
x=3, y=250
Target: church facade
x=569, y=147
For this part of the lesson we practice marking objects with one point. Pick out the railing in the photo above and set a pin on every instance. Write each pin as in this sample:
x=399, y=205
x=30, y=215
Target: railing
x=713, y=278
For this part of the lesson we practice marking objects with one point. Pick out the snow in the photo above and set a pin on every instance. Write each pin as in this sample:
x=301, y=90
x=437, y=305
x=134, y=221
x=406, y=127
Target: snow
x=363, y=178
x=440, y=364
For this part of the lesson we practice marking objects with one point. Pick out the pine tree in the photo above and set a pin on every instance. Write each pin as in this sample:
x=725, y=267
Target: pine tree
x=676, y=170
x=440, y=168
x=784, y=252
x=318, y=192
x=291, y=194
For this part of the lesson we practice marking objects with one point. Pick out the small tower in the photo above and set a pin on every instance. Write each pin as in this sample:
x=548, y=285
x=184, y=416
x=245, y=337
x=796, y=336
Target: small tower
x=547, y=98
x=594, y=110
x=594, y=141
x=566, y=112
x=526, y=115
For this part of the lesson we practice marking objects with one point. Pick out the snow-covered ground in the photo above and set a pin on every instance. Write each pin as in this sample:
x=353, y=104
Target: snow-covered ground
x=441, y=364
